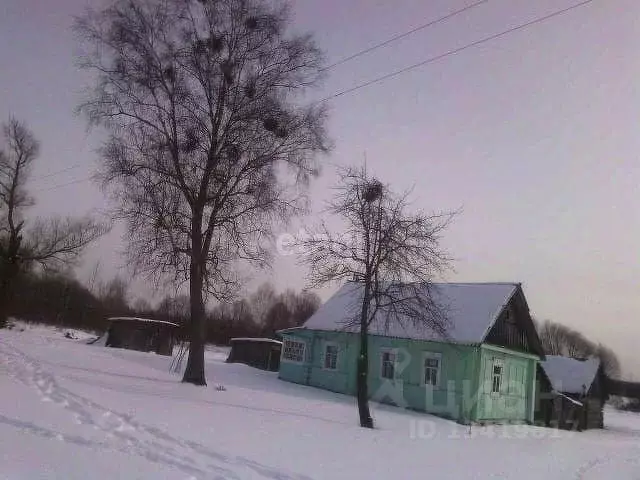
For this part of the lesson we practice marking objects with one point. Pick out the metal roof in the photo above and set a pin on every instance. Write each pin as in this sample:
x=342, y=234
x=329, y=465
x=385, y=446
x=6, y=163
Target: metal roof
x=570, y=375
x=255, y=339
x=471, y=310
x=136, y=319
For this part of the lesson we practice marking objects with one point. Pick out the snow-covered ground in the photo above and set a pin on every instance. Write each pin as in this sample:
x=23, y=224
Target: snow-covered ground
x=69, y=410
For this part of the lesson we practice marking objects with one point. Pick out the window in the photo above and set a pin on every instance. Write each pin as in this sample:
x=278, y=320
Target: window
x=496, y=383
x=293, y=351
x=388, y=365
x=431, y=368
x=330, y=356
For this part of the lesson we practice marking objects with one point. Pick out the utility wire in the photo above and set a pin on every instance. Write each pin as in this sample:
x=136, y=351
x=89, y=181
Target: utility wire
x=56, y=172
x=405, y=69
x=402, y=35
x=73, y=182
x=454, y=51
x=343, y=60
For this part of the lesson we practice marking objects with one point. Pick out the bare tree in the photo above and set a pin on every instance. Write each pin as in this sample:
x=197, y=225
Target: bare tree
x=277, y=317
x=392, y=255
x=113, y=295
x=609, y=359
x=210, y=143
x=558, y=339
x=52, y=243
x=301, y=306
x=261, y=301
x=552, y=337
x=94, y=278
x=176, y=308
x=142, y=306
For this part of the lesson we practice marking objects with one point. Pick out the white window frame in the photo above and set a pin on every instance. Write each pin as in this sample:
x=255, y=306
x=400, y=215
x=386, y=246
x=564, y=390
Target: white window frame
x=394, y=352
x=324, y=356
x=497, y=362
x=283, y=357
x=436, y=356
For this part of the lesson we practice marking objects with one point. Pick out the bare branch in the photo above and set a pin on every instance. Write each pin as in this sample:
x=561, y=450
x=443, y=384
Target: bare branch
x=54, y=243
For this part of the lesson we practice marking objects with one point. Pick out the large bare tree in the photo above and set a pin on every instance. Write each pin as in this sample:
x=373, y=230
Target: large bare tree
x=210, y=140
x=49, y=243
x=393, y=255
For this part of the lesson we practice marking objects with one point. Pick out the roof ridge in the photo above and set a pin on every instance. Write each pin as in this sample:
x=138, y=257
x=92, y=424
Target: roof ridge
x=458, y=283
x=477, y=283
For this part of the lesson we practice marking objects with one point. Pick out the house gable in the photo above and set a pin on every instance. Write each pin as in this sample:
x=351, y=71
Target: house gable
x=514, y=328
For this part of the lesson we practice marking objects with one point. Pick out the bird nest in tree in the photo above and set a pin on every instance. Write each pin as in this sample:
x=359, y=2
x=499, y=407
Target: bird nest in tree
x=372, y=191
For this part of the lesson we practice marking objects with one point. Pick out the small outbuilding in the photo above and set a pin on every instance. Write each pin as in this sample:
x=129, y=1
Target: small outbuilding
x=572, y=393
x=142, y=334
x=263, y=353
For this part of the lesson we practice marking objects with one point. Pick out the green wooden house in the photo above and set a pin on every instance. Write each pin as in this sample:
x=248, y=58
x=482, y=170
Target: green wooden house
x=483, y=371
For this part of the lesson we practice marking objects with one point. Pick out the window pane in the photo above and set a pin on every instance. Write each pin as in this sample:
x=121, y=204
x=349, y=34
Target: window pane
x=388, y=365
x=293, y=351
x=331, y=357
x=496, y=378
x=431, y=369
x=431, y=362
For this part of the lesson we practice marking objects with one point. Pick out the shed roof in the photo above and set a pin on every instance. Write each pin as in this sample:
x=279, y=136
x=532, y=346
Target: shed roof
x=570, y=375
x=145, y=320
x=256, y=339
x=471, y=310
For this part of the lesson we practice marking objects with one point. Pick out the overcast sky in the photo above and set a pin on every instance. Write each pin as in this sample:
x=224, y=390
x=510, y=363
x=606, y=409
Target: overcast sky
x=534, y=135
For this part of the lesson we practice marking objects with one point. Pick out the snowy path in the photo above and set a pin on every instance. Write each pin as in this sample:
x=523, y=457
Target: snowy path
x=70, y=410
x=121, y=432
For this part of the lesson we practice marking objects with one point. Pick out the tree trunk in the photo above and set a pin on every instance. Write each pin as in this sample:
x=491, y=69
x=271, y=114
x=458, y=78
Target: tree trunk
x=4, y=303
x=194, y=372
x=363, y=365
x=8, y=272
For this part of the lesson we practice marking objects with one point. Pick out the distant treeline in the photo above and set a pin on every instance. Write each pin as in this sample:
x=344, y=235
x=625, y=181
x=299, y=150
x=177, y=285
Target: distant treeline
x=63, y=301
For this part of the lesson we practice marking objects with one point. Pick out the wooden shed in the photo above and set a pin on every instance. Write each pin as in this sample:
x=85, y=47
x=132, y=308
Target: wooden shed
x=142, y=334
x=571, y=393
x=263, y=353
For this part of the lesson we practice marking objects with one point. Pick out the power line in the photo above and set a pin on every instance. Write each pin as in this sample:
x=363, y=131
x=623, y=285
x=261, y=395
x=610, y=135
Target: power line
x=402, y=35
x=402, y=70
x=57, y=172
x=339, y=62
x=455, y=51
x=73, y=182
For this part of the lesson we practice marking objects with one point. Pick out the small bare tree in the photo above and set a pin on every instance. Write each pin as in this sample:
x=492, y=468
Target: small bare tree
x=210, y=143
x=392, y=255
x=50, y=243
